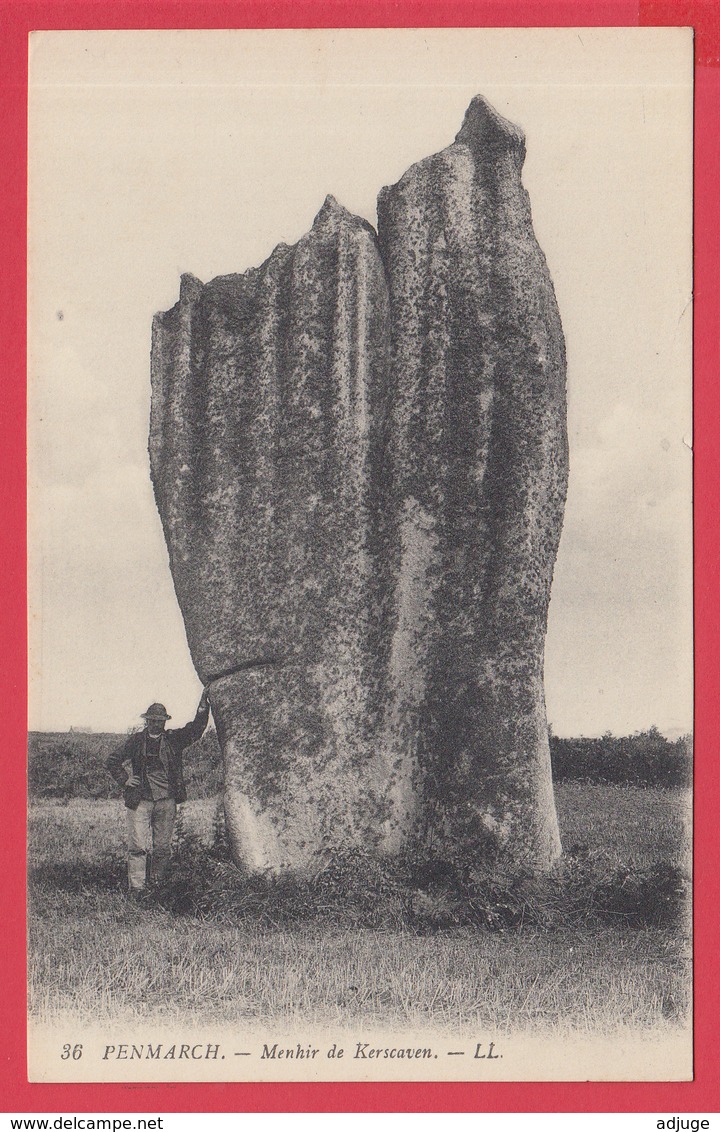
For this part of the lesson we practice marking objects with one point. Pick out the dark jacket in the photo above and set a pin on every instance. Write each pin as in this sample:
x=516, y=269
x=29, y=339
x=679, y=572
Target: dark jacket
x=132, y=754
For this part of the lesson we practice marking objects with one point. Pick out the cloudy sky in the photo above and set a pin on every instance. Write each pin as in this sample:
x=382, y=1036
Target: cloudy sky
x=154, y=153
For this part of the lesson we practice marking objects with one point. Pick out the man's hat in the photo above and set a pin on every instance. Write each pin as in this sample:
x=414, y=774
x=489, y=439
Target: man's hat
x=156, y=711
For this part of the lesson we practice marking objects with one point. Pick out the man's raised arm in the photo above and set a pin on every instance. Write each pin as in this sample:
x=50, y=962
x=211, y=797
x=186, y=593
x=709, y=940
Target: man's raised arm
x=193, y=730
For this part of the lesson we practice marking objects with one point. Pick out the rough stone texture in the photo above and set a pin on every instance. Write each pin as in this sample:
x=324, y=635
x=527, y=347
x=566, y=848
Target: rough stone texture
x=263, y=431
x=478, y=458
x=359, y=457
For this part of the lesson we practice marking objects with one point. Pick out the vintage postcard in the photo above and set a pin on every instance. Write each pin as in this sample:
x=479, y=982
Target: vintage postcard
x=360, y=555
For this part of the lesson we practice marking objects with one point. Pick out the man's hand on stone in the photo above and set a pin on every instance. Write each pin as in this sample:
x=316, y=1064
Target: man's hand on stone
x=133, y=780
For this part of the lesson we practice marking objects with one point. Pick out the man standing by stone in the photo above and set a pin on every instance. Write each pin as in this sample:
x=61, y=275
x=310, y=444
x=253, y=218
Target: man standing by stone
x=149, y=768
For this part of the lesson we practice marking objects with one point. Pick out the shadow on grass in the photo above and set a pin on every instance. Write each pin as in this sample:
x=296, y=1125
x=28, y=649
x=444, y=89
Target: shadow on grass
x=106, y=875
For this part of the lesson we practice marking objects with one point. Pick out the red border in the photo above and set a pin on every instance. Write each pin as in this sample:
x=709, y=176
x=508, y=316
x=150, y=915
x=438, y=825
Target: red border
x=17, y=19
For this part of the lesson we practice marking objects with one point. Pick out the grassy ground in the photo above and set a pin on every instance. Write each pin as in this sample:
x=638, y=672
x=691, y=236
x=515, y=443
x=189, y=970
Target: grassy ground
x=635, y=823
x=638, y=825
x=94, y=955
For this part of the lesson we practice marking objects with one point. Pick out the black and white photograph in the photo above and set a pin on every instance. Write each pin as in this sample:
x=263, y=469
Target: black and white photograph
x=360, y=555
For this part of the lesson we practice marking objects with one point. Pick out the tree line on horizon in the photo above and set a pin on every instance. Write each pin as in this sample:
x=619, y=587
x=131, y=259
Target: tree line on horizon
x=72, y=764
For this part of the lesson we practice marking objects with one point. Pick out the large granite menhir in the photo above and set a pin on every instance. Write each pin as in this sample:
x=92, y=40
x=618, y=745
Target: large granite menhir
x=359, y=456
x=262, y=441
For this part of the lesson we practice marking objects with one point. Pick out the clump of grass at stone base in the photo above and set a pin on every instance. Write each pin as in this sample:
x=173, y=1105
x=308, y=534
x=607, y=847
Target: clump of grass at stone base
x=424, y=893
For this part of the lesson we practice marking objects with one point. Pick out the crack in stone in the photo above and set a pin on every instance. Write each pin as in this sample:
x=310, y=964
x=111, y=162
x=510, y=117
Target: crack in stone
x=271, y=662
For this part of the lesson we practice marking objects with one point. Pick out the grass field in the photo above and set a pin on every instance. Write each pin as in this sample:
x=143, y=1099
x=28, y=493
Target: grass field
x=95, y=956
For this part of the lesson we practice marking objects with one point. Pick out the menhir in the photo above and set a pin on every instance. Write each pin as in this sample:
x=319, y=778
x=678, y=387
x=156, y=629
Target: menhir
x=360, y=460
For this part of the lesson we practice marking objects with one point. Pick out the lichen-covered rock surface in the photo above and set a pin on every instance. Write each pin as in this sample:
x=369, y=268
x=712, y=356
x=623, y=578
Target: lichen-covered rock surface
x=359, y=457
x=478, y=460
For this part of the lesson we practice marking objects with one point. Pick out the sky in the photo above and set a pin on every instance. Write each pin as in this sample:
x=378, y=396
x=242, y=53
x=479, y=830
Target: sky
x=157, y=153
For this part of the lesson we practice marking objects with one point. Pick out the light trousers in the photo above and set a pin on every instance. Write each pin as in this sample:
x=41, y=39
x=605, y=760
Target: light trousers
x=149, y=833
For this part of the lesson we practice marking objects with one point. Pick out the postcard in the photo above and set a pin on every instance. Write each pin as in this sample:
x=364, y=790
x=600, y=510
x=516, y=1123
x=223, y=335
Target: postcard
x=360, y=555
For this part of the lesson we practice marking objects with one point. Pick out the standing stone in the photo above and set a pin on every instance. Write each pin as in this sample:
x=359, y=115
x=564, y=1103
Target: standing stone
x=264, y=426
x=360, y=460
x=478, y=458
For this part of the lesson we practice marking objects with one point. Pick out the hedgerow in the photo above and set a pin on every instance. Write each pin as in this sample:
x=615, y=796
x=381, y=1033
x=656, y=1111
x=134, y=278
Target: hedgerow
x=72, y=764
